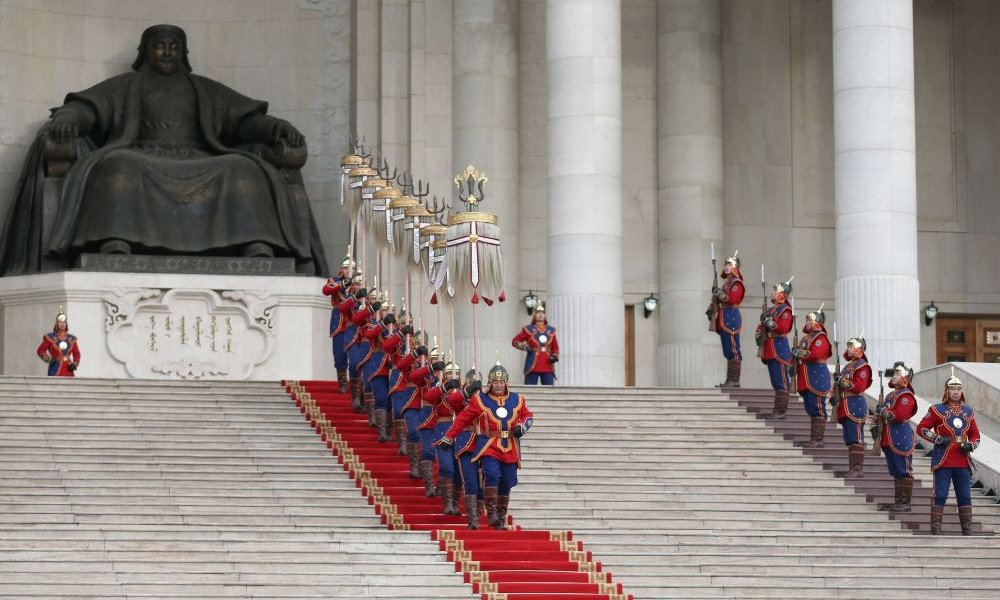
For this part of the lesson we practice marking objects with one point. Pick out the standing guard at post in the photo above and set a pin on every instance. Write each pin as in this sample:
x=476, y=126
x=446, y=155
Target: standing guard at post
x=59, y=348
x=377, y=367
x=507, y=419
x=897, y=435
x=337, y=288
x=813, y=375
x=538, y=340
x=852, y=410
x=726, y=319
x=951, y=427
x=349, y=332
x=775, y=324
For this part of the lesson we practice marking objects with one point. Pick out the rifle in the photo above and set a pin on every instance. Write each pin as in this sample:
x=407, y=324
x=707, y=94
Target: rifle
x=836, y=376
x=762, y=332
x=879, y=421
x=713, y=308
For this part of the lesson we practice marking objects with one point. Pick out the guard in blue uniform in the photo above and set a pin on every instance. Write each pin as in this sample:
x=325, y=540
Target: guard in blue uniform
x=852, y=408
x=726, y=319
x=772, y=341
x=813, y=376
x=338, y=289
x=897, y=436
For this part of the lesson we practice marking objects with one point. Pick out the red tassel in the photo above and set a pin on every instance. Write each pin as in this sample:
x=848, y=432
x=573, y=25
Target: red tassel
x=503, y=296
x=434, y=298
x=475, y=297
x=487, y=301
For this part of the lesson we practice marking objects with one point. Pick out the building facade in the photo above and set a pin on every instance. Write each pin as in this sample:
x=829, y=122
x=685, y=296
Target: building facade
x=854, y=144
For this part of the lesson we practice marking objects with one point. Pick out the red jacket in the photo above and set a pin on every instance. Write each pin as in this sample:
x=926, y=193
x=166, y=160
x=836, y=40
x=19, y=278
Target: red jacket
x=497, y=425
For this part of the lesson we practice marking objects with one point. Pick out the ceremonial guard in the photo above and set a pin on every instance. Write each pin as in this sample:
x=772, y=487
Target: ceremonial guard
x=338, y=289
x=377, y=368
x=505, y=419
x=851, y=406
x=404, y=394
x=812, y=374
x=725, y=318
x=438, y=396
x=349, y=331
x=467, y=444
x=538, y=340
x=775, y=324
x=359, y=348
x=897, y=435
x=396, y=346
x=951, y=427
x=424, y=375
x=59, y=349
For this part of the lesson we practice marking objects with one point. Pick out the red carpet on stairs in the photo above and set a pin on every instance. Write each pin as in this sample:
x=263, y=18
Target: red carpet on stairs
x=515, y=564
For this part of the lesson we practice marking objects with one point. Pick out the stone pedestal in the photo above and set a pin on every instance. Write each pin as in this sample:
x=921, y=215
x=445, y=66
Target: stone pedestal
x=156, y=326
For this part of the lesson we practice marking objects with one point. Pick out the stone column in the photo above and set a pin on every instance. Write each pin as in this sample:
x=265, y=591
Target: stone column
x=689, y=131
x=877, y=290
x=486, y=135
x=584, y=124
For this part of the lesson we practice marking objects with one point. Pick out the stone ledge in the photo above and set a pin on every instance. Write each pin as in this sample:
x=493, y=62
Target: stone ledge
x=197, y=265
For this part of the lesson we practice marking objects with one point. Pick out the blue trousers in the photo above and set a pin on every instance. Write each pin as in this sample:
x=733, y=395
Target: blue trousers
x=427, y=449
x=355, y=354
x=779, y=375
x=814, y=404
x=899, y=464
x=961, y=478
x=533, y=378
x=397, y=399
x=380, y=389
x=445, y=456
x=413, y=420
x=468, y=468
x=339, y=354
x=730, y=345
x=502, y=476
x=854, y=433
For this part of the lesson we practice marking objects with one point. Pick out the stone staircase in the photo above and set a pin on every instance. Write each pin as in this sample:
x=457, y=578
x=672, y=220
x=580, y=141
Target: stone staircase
x=140, y=489
x=684, y=494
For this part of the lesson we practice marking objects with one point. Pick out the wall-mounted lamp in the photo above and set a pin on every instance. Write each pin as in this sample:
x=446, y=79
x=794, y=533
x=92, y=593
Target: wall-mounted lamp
x=530, y=301
x=930, y=312
x=649, y=305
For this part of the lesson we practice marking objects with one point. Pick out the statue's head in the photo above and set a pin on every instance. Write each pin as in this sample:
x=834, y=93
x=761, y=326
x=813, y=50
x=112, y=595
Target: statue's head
x=164, y=47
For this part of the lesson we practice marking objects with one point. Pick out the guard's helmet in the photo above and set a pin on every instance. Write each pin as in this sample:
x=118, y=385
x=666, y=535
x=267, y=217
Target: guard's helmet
x=904, y=373
x=953, y=383
x=734, y=260
x=857, y=342
x=498, y=373
x=817, y=315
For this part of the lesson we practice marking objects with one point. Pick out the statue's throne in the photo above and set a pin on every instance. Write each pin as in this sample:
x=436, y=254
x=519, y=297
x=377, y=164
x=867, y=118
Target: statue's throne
x=58, y=158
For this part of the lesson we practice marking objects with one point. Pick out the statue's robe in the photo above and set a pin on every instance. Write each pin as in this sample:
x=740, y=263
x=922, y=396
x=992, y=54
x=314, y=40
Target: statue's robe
x=159, y=168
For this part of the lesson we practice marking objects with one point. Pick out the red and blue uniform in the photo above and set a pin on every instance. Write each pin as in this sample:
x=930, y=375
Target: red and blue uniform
x=813, y=376
x=775, y=351
x=437, y=397
x=541, y=346
x=897, y=436
x=403, y=394
x=61, y=351
x=337, y=289
x=728, y=320
x=852, y=410
x=951, y=465
x=423, y=378
x=348, y=331
x=500, y=454
x=377, y=366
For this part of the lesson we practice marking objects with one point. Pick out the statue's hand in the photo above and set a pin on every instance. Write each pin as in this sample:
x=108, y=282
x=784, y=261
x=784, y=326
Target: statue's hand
x=63, y=128
x=288, y=132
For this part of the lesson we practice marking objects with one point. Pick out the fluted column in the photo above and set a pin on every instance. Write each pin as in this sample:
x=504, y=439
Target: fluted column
x=583, y=56
x=877, y=289
x=689, y=131
x=486, y=135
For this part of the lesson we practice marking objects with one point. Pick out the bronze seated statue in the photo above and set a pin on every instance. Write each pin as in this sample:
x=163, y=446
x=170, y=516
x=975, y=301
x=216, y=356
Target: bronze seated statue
x=161, y=161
